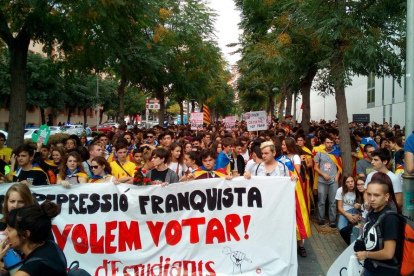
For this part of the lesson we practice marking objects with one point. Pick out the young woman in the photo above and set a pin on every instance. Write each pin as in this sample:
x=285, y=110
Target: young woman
x=101, y=171
x=58, y=155
x=345, y=199
x=83, y=140
x=18, y=195
x=291, y=150
x=187, y=147
x=216, y=146
x=176, y=160
x=28, y=230
x=70, y=144
x=71, y=170
x=381, y=258
x=137, y=154
x=192, y=162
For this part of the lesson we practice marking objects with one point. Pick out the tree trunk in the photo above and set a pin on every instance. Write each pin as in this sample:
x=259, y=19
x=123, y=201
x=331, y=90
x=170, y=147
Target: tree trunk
x=85, y=118
x=69, y=115
x=121, y=94
x=161, y=97
x=181, y=112
x=342, y=113
x=192, y=105
x=305, y=87
x=271, y=108
x=18, y=95
x=282, y=102
x=288, y=101
x=100, y=114
x=42, y=115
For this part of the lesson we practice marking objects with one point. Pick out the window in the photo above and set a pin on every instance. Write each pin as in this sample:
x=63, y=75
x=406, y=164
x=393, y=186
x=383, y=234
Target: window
x=371, y=90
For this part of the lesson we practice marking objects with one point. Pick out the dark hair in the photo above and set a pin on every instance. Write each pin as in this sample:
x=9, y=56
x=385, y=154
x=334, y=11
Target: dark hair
x=122, y=127
x=195, y=156
x=359, y=195
x=24, y=193
x=172, y=147
x=207, y=152
x=367, y=146
x=102, y=162
x=397, y=140
x=34, y=218
x=384, y=180
x=76, y=138
x=359, y=133
x=257, y=151
x=27, y=148
x=161, y=153
x=2, y=136
x=227, y=141
x=383, y=154
x=280, y=130
x=121, y=144
x=291, y=146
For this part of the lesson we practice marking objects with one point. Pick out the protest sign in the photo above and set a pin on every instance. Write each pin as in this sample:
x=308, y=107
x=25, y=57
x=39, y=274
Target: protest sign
x=202, y=227
x=256, y=121
x=42, y=135
x=230, y=122
x=196, y=120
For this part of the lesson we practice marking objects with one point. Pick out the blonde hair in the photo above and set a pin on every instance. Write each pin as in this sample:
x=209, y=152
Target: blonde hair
x=268, y=144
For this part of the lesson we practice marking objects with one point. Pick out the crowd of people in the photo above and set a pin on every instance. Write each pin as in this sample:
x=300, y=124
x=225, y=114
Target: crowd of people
x=159, y=155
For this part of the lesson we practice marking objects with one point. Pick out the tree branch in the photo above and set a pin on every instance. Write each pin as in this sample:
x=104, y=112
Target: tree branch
x=5, y=33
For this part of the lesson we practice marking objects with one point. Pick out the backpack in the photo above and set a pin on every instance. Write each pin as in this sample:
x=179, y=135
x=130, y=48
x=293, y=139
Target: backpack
x=406, y=257
x=74, y=269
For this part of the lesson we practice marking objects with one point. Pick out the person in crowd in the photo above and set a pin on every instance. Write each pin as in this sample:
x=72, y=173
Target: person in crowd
x=208, y=169
x=18, y=195
x=380, y=160
x=104, y=140
x=122, y=168
x=57, y=154
x=328, y=169
x=161, y=174
x=345, y=199
x=256, y=158
x=380, y=258
x=191, y=160
x=102, y=171
x=223, y=159
x=409, y=154
x=166, y=139
x=95, y=150
x=71, y=170
x=138, y=156
x=129, y=137
x=289, y=148
x=196, y=142
x=237, y=163
x=41, y=158
x=5, y=152
x=176, y=160
x=83, y=140
x=150, y=139
x=70, y=144
x=187, y=147
x=244, y=152
x=216, y=146
x=26, y=173
x=364, y=166
x=28, y=230
x=396, y=147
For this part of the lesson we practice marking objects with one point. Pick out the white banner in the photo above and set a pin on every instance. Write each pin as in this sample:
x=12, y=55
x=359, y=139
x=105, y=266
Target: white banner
x=196, y=120
x=230, y=122
x=202, y=227
x=256, y=120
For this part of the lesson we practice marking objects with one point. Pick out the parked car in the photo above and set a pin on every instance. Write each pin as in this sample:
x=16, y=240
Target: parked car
x=28, y=133
x=73, y=129
x=104, y=128
x=112, y=124
x=55, y=130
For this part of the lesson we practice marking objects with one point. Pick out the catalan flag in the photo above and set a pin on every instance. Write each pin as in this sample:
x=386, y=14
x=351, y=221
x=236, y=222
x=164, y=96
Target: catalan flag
x=362, y=144
x=206, y=114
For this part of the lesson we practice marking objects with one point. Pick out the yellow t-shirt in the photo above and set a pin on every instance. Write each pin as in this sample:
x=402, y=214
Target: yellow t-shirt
x=118, y=172
x=5, y=154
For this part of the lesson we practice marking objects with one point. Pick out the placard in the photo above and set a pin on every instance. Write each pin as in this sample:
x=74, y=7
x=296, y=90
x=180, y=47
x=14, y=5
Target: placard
x=196, y=121
x=256, y=120
x=230, y=122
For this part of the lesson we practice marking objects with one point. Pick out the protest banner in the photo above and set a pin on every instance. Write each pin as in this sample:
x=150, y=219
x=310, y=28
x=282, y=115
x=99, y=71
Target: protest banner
x=230, y=122
x=196, y=120
x=202, y=227
x=256, y=121
x=343, y=265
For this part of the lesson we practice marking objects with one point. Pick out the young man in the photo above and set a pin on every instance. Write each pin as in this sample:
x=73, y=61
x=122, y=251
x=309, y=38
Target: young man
x=150, y=139
x=196, y=142
x=207, y=139
x=26, y=173
x=364, y=166
x=380, y=160
x=244, y=150
x=5, y=152
x=161, y=174
x=208, y=158
x=396, y=146
x=166, y=139
x=123, y=169
x=103, y=139
x=95, y=150
x=328, y=169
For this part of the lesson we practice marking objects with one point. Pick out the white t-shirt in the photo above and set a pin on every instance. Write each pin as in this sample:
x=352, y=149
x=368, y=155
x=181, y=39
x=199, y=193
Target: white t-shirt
x=181, y=168
x=250, y=164
x=348, y=199
x=295, y=160
x=396, y=183
x=246, y=156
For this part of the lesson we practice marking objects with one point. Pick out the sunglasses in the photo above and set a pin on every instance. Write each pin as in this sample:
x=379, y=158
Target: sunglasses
x=150, y=137
x=94, y=167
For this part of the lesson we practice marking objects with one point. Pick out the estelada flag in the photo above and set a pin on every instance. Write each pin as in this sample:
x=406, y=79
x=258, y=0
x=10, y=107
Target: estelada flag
x=365, y=141
x=206, y=114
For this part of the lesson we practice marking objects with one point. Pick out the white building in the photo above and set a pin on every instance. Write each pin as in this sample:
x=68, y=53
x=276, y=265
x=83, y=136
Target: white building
x=382, y=98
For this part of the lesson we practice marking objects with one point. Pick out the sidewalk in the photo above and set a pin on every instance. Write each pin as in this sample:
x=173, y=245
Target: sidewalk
x=322, y=249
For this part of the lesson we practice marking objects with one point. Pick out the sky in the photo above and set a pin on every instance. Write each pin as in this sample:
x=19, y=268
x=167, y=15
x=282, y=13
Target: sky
x=227, y=29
